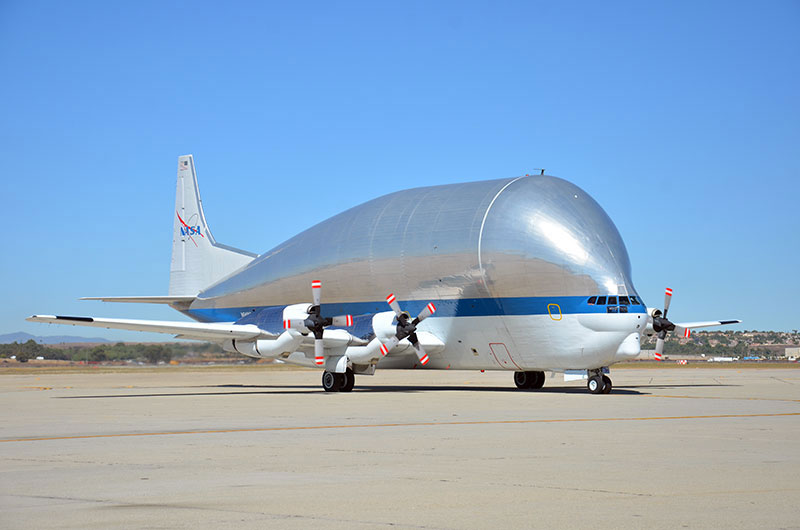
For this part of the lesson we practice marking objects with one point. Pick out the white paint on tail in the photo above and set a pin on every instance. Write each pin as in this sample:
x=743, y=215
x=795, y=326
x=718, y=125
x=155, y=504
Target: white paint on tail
x=198, y=261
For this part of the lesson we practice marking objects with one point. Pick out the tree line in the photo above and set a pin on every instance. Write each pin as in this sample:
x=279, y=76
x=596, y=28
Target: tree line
x=150, y=353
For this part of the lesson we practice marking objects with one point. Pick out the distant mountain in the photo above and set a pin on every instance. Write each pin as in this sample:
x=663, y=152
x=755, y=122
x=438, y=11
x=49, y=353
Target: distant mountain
x=21, y=336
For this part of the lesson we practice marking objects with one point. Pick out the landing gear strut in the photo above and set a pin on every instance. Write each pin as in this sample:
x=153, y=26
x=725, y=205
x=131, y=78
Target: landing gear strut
x=598, y=383
x=333, y=382
x=526, y=380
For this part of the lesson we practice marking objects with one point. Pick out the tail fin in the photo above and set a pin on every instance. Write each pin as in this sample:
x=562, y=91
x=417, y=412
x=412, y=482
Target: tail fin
x=197, y=259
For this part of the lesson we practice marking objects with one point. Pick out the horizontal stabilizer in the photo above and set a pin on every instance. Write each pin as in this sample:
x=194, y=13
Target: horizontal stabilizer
x=178, y=301
x=187, y=330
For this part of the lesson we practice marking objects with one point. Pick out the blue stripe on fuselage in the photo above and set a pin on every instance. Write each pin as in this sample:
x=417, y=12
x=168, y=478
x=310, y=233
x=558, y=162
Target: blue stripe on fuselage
x=464, y=307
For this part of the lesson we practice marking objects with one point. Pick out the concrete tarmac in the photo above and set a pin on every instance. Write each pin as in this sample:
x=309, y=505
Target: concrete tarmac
x=264, y=448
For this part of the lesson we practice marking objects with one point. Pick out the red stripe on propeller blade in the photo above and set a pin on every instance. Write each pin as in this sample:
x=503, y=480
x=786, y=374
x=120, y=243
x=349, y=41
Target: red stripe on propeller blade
x=432, y=308
x=390, y=298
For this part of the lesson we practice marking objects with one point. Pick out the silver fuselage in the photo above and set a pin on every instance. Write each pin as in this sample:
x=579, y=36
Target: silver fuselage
x=509, y=263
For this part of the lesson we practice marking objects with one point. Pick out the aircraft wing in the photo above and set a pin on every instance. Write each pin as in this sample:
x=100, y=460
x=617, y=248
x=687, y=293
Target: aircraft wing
x=187, y=330
x=683, y=326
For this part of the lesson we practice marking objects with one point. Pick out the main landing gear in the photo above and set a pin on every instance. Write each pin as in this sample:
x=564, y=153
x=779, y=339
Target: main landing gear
x=529, y=380
x=598, y=382
x=333, y=382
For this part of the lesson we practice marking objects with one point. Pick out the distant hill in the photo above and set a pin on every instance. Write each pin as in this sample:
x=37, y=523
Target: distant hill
x=21, y=337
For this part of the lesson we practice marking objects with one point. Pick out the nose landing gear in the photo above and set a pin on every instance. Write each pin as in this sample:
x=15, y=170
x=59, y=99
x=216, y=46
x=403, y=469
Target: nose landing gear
x=598, y=382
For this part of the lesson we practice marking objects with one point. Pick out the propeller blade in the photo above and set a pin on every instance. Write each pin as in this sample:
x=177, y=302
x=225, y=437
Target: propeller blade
x=343, y=320
x=392, y=301
x=423, y=357
x=387, y=346
x=667, y=300
x=319, y=352
x=316, y=291
x=295, y=324
x=660, y=344
x=425, y=313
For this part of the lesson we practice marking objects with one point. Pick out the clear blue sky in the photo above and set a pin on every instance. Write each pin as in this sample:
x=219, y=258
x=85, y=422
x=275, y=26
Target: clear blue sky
x=681, y=118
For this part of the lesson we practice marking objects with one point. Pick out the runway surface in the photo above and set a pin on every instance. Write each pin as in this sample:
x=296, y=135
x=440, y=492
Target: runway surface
x=257, y=447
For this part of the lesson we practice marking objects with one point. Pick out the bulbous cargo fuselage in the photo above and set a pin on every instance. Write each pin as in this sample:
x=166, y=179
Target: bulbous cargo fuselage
x=522, y=248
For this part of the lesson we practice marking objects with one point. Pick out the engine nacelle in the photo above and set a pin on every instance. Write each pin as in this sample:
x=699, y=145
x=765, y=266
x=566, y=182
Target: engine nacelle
x=296, y=312
x=286, y=343
x=652, y=312
x=383, y=325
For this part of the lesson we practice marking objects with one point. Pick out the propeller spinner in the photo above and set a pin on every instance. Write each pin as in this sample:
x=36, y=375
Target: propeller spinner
x=316, y=323
x=407, y=328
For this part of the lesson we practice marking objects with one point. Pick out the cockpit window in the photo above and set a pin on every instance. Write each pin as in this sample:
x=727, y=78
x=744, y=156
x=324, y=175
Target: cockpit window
x=601, y=300
x=634, y=300
x=592, y=300
x=612, y=300
x=623, y=300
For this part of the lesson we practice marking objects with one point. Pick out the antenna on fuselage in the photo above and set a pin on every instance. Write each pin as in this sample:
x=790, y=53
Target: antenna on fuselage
x=539, y=169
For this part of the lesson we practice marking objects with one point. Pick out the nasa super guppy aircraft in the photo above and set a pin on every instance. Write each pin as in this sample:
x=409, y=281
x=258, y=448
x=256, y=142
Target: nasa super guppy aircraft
x=523, y=274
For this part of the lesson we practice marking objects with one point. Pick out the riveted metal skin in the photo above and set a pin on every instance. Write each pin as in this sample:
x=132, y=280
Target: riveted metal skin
x=534, y=236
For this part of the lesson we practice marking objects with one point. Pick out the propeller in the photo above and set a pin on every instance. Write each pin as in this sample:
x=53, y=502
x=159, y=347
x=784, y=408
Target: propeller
x=662, y=325
x=316, y=323
x=407, y=328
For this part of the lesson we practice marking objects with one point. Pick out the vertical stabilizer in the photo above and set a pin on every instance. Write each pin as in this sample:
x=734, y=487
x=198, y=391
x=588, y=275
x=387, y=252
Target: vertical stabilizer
x=197, y=259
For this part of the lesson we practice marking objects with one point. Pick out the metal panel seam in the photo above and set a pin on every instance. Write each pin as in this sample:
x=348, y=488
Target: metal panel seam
x=483, y=222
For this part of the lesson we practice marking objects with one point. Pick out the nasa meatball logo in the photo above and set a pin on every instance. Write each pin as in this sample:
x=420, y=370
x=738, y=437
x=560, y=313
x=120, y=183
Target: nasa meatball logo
x=191, y=228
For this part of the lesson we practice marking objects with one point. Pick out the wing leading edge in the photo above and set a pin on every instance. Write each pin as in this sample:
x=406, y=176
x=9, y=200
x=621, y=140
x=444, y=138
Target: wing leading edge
x=188, y=330
x=680, y=327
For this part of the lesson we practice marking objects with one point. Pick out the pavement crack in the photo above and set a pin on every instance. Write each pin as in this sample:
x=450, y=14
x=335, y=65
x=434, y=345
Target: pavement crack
x=582, y=490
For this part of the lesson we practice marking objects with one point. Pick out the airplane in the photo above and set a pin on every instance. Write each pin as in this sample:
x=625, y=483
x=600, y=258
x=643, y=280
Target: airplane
x=525, y=274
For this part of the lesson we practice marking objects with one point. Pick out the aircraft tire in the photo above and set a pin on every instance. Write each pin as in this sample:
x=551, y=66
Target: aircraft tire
x=349, y=381
x=595, y=384
x=330, y=381
x=523, y=380
x=607, y=386
x=538, y=380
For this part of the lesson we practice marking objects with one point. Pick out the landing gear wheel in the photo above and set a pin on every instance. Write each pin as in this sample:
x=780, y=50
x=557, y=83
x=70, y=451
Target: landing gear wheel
x=349, y=381
x=528, y=380
x=596, y=384
x=523, y=380
x=331, y=382
x=607, y=385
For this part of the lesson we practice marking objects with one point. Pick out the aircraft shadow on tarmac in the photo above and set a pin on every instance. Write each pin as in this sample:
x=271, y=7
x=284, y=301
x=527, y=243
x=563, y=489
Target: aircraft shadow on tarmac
x=305, y=389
